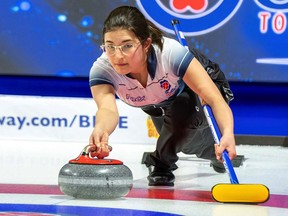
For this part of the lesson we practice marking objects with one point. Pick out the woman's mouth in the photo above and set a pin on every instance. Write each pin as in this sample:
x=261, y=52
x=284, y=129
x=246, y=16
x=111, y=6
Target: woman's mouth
x=121, y=64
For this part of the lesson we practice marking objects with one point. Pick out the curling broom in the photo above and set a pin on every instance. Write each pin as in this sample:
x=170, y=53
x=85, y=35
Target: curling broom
x=234, y=192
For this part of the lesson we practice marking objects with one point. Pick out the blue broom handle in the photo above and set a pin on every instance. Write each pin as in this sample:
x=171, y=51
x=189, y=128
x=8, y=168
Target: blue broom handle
x=209, y=114
x=217, y=136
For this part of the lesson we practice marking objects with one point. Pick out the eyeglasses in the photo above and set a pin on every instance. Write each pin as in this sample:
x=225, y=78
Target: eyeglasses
x=126, y=49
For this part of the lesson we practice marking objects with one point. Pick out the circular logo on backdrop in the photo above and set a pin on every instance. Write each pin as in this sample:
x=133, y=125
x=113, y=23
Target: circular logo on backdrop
x=195, y=16
x=273, y=5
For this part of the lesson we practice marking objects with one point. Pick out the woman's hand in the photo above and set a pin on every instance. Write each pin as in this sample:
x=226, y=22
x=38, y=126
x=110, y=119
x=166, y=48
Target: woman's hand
x=99, y=142
x=226, y=142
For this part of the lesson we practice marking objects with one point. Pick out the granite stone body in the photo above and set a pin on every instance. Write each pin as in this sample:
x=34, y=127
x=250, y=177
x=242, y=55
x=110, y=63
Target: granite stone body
x=95, y=181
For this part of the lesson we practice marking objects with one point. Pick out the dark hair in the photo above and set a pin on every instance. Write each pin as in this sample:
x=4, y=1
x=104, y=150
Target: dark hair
x=130, y=18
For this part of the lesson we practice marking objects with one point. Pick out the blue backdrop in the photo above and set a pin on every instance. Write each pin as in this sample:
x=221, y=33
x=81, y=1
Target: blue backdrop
x=62, y=37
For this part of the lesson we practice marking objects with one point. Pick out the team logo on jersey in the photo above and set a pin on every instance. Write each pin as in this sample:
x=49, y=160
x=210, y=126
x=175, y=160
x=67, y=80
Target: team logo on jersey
x=273, y=5
x=195, y=16
x=165, y=85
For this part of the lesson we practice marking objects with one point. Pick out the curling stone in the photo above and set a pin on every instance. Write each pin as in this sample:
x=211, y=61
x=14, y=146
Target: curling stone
x=88, y=177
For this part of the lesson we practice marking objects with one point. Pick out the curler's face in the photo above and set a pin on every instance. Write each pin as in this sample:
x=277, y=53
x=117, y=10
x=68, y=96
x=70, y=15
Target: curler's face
x=124, y=50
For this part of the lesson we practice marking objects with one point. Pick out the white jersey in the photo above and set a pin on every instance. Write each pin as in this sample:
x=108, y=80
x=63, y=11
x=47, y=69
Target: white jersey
x=166, y=69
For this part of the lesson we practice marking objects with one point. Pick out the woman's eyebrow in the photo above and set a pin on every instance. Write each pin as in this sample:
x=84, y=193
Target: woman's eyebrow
x=124, y=41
